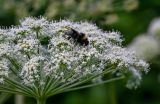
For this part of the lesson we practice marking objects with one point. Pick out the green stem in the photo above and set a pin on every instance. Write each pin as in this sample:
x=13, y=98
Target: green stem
x=41, y=101
x=87, y=86
x=112, y=94
x=78, y=83
x=96, y=84
x=37, y=34
x=19, y=99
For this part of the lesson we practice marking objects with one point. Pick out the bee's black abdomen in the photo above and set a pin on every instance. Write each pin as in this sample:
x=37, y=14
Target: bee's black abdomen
x=77, y=37
x=84, y=42
x=82, y=39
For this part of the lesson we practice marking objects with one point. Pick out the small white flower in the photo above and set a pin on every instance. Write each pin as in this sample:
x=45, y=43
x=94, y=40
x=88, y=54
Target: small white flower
x=19, y=30
x=30, y=71
x=5, y=49
x=34, y=23
x=4, y=70
x=135, y=78
x=27, y=45
x=3, y=34
x=115, y=36
x=1, y=80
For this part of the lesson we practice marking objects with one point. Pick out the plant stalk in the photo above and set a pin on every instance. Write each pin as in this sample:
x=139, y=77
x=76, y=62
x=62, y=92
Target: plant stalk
x=112, y=93
x=41, y=101
x=19, y=99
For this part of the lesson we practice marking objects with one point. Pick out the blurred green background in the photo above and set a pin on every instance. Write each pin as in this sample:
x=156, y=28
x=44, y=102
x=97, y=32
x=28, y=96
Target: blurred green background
x=130, y=17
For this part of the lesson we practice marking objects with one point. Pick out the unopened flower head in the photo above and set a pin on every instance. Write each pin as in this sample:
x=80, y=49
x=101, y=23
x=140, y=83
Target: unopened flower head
x=143, y=45
x=41, y=53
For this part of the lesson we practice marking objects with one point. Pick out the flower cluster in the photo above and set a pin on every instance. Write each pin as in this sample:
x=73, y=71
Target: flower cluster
x=40, y=56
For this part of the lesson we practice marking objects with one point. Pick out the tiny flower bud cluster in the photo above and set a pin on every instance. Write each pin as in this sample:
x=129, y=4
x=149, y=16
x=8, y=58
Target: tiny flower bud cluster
x=4, y=70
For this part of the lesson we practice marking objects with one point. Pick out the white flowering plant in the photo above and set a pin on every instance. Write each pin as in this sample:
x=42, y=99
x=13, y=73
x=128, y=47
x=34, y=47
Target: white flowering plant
x=37, y=60
x=144, y=43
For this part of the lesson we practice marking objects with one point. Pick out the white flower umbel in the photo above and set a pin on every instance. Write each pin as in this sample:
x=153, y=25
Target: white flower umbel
x=40, y=60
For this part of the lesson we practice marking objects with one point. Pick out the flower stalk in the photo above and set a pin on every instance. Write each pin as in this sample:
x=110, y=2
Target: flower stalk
x=41, y=101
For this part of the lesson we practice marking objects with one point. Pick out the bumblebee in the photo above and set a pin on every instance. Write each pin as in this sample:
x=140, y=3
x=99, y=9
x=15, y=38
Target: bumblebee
x=77, y=37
